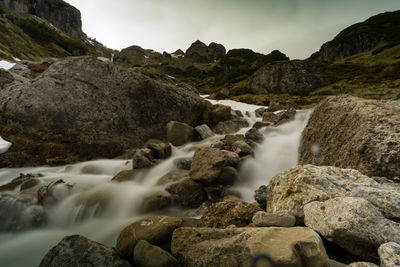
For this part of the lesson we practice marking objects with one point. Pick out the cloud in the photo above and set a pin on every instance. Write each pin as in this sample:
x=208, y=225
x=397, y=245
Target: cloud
x=296, y=27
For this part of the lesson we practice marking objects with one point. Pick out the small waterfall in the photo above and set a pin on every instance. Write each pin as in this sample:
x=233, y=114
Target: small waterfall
x=99, y=209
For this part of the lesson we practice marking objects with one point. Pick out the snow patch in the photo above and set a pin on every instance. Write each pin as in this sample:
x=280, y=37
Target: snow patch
x=4, y=145
x=6, y=65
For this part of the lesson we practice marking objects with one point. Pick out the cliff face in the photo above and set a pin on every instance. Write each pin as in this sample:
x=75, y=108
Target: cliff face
x=383, y=29
x=59, y=13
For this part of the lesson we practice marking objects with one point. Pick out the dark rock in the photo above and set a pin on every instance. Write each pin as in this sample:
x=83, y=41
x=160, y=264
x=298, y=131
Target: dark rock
x=159, y=149
x=147, y=255
x=183, y=163
x=259, y=112
x=77, y=250
x=286, y=77
x=231, y=126
x=285, y=116
x=216, y=51
x=142, y=159
x=275, y=106
x=228, y=176
x=242, y=148
x=16, y=182
x=179, y=133
x=221, y=94
x=351, y=132
x=213, y=114
x=5, y=78
x=156, y=201
x=254, y=135
x=203, y=131
x=198, y=52
x=270, y=117
x=53, y=193
x=260, y=195
x=29, y=184
x=187, y=193
x=173, y=176
x=260, y=124
x=126, y=108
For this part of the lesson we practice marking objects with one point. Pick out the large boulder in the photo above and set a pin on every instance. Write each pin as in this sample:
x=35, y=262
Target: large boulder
x=187, y=193
x=201, y=53
x=232, y=247
x=286, y=77
x=296, y=187
x=229, y=212
x=179, y=133
x=147, y=255
x=94, y=108
x=77, y=250
x=156, y=230
x=353, y=223
x=356, y=133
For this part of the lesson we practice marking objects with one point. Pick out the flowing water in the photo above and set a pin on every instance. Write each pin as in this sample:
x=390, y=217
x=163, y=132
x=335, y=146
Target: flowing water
x=97, y=208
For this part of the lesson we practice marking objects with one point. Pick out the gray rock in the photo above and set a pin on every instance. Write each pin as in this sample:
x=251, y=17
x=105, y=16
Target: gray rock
x=242, y=148
x=286, y=77
x=285, y=116
x=389, y=254
x=259, y=112
x=254, y=135
x=278, y=219
x=297, y=246
x=96, y=109
x=5, y=78
x=77, y=250
x=260, y=195
x=204, y=131
x=187, y=193
x=179, y=133
x=270, y=117
x=354, y=133
x=353, y=223
x=147, y=255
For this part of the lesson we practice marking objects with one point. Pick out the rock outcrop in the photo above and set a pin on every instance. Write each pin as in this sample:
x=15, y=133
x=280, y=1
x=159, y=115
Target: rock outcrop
x=233, y=247
x=362, y=37
x=286, y=77
x=84, y=104
x=57, y=12
x=351, y=132
x=77, y=250
x=201, y=53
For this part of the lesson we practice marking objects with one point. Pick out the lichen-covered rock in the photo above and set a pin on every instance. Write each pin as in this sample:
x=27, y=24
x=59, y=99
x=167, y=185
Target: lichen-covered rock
x=278, y=219
x=147, y=255
x=233, y=247
x=294, y=188
x=354, y=133
x=208, y=162
x=156, y=230
x=389, y=254
x=179, y=133
x=94, y=108
x=353, y=223
x=77, y=250
x=229, y=212
x=289, y=76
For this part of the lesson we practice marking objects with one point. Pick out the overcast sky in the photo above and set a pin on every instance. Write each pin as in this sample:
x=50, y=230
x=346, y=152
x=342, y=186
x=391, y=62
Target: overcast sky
x=296, y=27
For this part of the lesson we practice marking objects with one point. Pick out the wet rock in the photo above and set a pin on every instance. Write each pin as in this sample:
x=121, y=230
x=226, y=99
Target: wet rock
x=213, y=114
x=353, y=223
x=126, y=108
x=157, y=230
x=259, y=112
x=260, y=124
x=229, y=212
x=147, y=255
x=218, y=145
x=270, y=117
x=229, y=140
x=16, y=182
x=29, y=184
x=156, y=201
x=142, y=159
x=53, y=193
x=275, y=106
x=297, y=246
x=254, y=135
x=260, y=195
x=208, y=162
x=179, y=133
x=203, y=131
x=183, y=163
x=231, y=126
x=173, y=176
x=285, y=116
x=186, y=193
x=159, y=149
x=228, y=176
x=77, y=250
x=293, y=189
x=20, y=213
x=123, y=176
x=389, y=254
x=278, y=219
x=242, y=148
x=354, y=133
